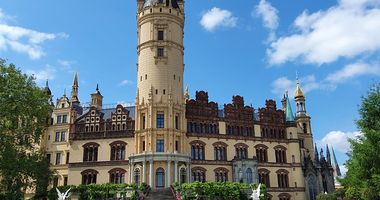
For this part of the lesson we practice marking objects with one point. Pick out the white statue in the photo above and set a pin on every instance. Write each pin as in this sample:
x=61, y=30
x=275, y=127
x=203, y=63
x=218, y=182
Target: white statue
x=256, y=193
x=62, y=196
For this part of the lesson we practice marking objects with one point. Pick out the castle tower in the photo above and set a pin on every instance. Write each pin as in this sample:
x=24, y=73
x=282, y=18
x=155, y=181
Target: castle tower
x=160, y=135
x=303, y=122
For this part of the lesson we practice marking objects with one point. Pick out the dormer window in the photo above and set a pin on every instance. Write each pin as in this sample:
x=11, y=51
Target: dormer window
x=63, y=105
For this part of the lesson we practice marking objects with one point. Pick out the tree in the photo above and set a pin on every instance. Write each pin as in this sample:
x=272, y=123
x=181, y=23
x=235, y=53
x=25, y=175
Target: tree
x=363, y=176
x=24, y=111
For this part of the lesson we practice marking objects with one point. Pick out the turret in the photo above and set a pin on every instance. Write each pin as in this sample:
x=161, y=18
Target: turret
x=328, y=157
x=288, y=109
x=48, y=92
x=300, y=100
x=97, y=98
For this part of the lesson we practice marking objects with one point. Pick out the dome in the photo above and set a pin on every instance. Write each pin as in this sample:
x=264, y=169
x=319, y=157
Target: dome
x=148, y=3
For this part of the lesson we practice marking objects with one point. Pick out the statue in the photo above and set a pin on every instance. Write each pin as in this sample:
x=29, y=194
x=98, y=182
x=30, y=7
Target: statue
x=256, y=193
x=62, y=196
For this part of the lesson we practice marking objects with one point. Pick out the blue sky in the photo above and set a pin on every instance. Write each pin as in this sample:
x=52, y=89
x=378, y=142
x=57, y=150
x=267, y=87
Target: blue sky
x=249, y=48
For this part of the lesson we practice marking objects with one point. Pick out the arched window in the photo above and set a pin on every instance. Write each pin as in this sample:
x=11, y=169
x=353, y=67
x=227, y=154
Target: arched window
x=248, y=174
x=198, y=174
x=261, y=153
x=221, y=174
x=220, y=151
x=282, y=178
x=284, y=196
x=280, y=154
x=118, y=150
x=137, y=176
x=241, y=151
x=264, y=177
x=89, y=176
x=183, y=175
x=197, y=150
x=117, y=175
x=90, y=152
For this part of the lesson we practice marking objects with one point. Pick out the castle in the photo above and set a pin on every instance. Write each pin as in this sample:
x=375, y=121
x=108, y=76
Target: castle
x=168, y=137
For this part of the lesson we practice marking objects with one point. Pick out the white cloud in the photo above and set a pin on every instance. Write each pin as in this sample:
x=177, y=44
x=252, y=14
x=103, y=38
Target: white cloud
x=268, y=13
x=282, y=84
x=339, y=140
x=126, y=82
x=343, y=169
x=353, y=70
x=217, y=17
x=23, y=40
x=48, y=73
x=269, y=16
x=347, y=30
x=65, y=64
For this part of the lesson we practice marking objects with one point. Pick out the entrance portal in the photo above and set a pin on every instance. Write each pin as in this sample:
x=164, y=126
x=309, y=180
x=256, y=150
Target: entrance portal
x=160, y=178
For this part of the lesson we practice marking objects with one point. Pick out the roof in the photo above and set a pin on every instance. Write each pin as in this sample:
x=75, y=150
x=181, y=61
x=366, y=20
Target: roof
x=106, y=113
x=298, y=92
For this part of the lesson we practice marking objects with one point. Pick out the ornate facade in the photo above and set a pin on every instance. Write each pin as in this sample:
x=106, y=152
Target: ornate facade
x=168, y=137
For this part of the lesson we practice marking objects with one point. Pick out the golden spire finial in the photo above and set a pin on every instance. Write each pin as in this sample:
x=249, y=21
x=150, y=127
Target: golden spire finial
x=298, y=92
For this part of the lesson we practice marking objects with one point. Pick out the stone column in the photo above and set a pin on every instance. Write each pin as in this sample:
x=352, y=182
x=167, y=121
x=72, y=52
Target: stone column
x=189, y=171
x=144, y=172
x=176, y=171
x=151, y=183
x=168, y=173
x=131, y=172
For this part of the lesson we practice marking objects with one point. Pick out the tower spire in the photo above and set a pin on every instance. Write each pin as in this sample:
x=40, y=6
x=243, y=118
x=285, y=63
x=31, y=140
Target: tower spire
x=288, y=113
x=187, y=96
x=335, y=164
x=328, y=154
x=74, y=91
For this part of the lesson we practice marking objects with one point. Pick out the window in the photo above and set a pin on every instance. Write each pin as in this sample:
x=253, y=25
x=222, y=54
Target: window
x=282, y=178
x=220, y=151
x=304, y=128
x=176, y=145
x=143, y=145
x=221, y=174
x=48, y=157
x=177, y=122
x=60, y=136
x=163, y=92
x=55, y=181
x=160, y=35
x=63, y=134
x=241, y=151
x=117, y=176
x=160, y=52
x=264, y=177
x=57, y=158
x=160, y=145
x=90, y=152
x=280, y=153
x=143, y=122
x=57, y=136
x=118, y=150
x=261, y=153
x=64, y=118
x=67, y=157
x=284, y=196
x=198, y=174
x=59, y=119
x=89, y=177
x=197, y=150
x=160, y=120
x=65, y=180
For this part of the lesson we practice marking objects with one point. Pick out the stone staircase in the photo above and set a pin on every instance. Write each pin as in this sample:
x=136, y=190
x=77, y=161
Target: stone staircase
x=160, y=194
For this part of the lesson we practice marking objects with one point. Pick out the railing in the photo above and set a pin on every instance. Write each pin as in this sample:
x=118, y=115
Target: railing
x=101, y=135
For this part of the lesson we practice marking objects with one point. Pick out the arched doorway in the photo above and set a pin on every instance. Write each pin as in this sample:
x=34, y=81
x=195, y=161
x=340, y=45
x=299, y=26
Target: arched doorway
x=249, y=175
x=137, y=176
x=160, y=178
x=183, y=175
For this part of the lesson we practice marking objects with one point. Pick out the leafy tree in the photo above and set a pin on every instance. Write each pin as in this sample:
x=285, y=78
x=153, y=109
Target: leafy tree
x=24, y=111
x=362, y=180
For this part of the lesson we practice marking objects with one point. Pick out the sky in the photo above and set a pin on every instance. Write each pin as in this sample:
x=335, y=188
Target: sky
x=252, y=48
